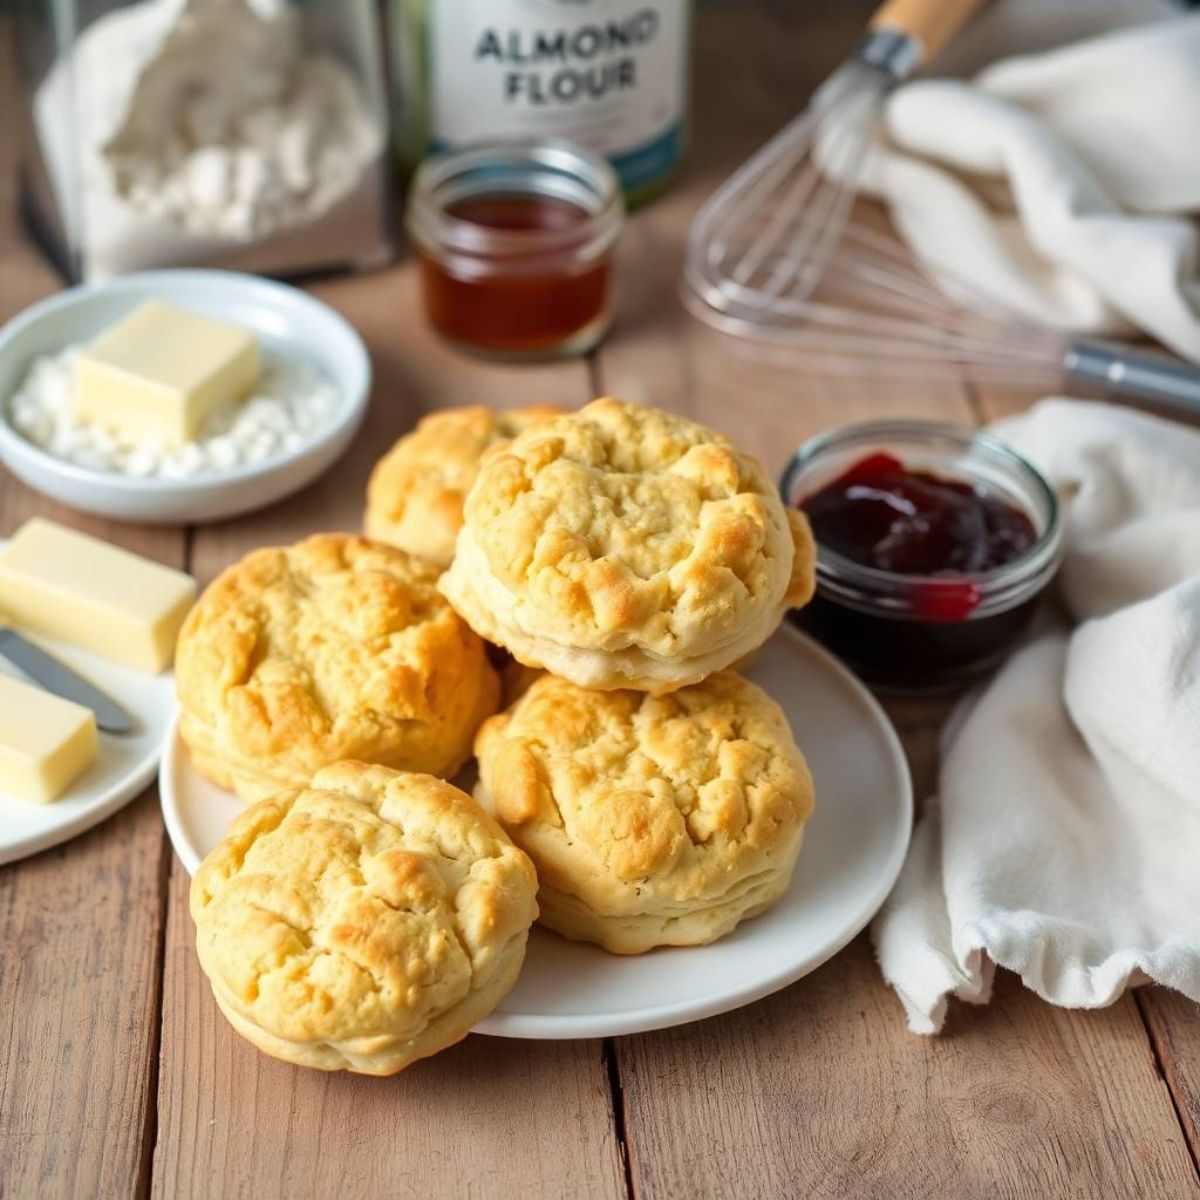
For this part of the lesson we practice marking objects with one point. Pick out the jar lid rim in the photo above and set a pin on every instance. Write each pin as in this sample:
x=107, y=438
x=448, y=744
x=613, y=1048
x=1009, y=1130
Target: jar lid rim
x=550, y=166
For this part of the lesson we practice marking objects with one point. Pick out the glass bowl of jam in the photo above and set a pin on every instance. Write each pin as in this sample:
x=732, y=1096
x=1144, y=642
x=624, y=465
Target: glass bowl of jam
x=514, y=242
x=934, y=543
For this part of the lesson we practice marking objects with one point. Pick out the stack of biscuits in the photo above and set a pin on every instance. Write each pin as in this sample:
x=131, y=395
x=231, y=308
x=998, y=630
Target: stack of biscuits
x=616, y=564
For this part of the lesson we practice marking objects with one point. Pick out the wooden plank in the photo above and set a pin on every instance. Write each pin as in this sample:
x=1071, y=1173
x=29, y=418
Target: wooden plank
x=818, y=1091
x=490, y=1117
x=1174, y=1025
x=79, y=989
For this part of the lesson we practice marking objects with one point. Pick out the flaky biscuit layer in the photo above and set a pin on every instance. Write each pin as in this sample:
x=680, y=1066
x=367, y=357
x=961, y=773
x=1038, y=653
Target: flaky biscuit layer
x=416, y=491
x=621, y=546
x=363, y=922
x=651, y=820
x=334, y=648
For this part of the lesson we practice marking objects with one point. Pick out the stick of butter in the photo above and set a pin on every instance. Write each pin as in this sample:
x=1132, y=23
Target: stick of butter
x=45, y=743
x=163, y=372
x=77, y=588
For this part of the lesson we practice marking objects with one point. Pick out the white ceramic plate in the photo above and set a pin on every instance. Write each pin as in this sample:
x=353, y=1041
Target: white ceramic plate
x=286, y=321
x=123, y=769
x=853, y=849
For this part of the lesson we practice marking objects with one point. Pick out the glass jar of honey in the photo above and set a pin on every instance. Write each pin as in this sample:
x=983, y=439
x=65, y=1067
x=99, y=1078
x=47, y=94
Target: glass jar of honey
x=514, y=242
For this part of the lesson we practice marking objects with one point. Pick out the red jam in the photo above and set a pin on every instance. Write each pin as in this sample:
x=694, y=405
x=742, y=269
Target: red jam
x=517, y=311
x=943, y=533
x=882, y=514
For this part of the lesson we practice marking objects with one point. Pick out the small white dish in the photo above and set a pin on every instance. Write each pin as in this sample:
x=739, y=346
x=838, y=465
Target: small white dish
x=123, y=769
x=287, y=322
x=853, y=850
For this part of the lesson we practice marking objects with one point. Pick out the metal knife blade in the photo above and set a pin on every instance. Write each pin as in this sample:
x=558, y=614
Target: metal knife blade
x=57, y=677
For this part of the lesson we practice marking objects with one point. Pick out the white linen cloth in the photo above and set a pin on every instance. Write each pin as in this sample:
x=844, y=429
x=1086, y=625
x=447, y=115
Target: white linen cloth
x=1062, y=184
x=1065, y=840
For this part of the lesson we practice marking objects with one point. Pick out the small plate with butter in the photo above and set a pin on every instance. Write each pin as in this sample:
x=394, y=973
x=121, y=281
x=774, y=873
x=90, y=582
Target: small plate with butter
x=178, y=396
x=112, y=618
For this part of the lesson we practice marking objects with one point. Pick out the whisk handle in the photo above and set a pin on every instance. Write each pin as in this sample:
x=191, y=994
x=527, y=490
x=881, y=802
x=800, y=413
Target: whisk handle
x=930, y=23
x=1130, y=373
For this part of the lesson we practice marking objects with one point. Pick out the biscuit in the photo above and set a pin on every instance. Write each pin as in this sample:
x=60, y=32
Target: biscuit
x=333, y=648
x=415, y=494
x=623, y=547
x=651, y=820
x=362, y=922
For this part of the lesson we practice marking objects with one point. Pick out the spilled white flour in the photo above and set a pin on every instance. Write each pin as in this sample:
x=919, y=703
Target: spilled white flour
x=291, y=402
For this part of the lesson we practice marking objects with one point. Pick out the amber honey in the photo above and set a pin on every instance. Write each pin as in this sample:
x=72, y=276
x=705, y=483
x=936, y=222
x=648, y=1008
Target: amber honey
x=514, y=244
x=513, y=312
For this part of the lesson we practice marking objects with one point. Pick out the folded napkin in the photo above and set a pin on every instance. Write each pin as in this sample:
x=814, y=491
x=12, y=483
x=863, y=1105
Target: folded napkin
x=1061, y=184
x=1065, y=841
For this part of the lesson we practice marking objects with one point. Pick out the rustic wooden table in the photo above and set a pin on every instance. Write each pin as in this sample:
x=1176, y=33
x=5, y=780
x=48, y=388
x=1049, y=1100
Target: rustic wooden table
x=118, y=1076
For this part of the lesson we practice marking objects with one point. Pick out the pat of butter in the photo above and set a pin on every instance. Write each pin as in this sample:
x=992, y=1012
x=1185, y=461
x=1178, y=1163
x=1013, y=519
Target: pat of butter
x=45, y=743
x=163, y=372
x=77, y=588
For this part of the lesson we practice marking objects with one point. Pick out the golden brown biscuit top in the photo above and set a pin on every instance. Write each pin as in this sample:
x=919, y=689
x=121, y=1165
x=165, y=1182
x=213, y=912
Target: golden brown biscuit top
x=680, y=792
x=333, y=642
x=624, y=525
x=365, y=904
x=415, y=494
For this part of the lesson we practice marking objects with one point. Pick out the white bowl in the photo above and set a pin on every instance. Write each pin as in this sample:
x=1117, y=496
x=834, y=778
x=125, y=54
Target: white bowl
x=286, y=321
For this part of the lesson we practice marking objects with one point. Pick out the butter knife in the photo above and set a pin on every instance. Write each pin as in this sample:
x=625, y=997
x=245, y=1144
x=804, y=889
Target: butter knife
x=57, y=677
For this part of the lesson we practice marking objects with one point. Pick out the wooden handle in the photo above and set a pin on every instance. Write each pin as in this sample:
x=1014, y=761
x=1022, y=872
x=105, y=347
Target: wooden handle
x=931, y=22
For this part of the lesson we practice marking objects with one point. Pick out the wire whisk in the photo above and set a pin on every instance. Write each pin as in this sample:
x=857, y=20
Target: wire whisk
x=876, y=313
x=770, y=230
